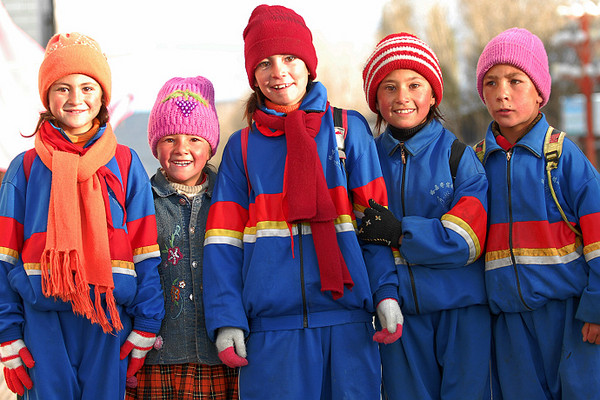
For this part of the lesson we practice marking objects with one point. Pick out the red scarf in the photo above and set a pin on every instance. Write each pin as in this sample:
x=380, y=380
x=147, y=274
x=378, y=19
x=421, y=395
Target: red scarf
x=77, y=251
x=306, y=197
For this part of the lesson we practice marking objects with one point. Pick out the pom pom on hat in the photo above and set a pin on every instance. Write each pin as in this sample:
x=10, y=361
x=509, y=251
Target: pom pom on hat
x=277, y=30
x=73, y=53
x=184, y=106
x=401, y=51
x=521, y=49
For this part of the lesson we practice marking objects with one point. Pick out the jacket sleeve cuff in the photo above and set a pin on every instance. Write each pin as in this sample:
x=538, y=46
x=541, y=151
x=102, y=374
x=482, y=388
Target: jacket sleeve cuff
x=146, y=325
x=588, y=309
x=386, y=292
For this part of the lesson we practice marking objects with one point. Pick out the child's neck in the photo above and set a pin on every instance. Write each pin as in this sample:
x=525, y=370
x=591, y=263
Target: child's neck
x=512, y=136
x=403, y=134
x=280, y=108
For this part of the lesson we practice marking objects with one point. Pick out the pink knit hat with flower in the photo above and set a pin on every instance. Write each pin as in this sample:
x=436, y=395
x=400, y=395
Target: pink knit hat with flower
x=401, y=51
x=277, y=30
x=521, y=49
x=184, y=106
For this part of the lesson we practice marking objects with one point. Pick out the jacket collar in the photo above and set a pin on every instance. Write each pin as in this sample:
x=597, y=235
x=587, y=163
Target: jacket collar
x=163, y=188
x=415, y=144
x=532, y=141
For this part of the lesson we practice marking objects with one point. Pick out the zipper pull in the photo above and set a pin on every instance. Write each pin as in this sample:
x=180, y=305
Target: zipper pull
x=402, y=153
x=509, y=155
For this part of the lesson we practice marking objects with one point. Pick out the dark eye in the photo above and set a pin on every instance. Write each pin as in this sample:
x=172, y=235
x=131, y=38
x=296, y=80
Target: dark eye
x=263, y=64
x=290, y=58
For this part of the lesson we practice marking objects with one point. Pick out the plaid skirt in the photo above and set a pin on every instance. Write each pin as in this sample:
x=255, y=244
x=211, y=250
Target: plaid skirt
x=185, y=382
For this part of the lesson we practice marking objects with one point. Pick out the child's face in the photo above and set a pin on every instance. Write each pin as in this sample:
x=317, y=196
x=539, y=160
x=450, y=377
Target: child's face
x=183, y=157
x=282, y=79
x=75, y=101
x=404, y=98
x=511, y=99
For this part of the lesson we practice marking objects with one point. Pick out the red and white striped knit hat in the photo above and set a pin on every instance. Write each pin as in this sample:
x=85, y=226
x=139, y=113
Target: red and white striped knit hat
x=401, y=51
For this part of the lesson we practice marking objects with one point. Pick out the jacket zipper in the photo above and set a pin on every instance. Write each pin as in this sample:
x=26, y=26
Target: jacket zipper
x=510, y=229
x=410, y=272
x=302, y=283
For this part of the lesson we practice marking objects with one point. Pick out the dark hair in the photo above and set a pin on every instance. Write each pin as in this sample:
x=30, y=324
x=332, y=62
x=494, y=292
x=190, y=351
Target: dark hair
x=103, y=117
x=434, y=113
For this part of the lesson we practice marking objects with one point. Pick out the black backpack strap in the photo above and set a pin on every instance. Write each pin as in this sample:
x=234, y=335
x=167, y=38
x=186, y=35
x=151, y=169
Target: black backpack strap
x=456, y=152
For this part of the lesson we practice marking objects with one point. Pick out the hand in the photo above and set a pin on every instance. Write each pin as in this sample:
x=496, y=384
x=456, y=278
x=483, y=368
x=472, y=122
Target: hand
x=391, y=319
x=379, y=226
x=231, y=347
x=591, y=333
x=138, y=343
x=13, y=355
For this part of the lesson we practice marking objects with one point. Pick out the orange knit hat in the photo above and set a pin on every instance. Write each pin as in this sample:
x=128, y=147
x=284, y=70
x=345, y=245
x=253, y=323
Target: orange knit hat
x=73, y=53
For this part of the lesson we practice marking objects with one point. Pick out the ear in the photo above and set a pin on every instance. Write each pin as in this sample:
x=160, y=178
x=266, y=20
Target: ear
x=432, y=101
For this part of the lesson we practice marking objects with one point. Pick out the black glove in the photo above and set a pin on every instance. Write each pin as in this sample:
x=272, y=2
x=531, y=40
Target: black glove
x=379, y=226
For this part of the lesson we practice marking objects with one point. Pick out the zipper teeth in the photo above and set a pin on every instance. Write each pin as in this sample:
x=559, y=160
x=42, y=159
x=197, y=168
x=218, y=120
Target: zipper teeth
x=510, y=229
x=302, y=283
x=410, y=272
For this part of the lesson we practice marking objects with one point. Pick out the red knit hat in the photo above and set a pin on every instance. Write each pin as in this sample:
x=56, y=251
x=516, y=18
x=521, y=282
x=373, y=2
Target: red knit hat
x=277, y=30
x=73, y=53
x=401, y=51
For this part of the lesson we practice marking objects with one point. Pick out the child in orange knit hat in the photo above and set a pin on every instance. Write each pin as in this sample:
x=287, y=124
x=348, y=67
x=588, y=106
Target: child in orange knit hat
x=78, y=253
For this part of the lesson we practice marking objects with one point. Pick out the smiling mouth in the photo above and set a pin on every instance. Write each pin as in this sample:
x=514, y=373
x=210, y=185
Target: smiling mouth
x=404, y=111
x=282, y=86
x=181, y=163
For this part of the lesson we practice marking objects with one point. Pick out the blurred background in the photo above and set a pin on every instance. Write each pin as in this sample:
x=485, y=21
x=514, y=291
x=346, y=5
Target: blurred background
x=149, y=41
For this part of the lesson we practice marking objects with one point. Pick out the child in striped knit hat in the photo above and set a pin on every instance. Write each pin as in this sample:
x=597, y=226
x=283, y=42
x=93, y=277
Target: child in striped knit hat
x=436, y=224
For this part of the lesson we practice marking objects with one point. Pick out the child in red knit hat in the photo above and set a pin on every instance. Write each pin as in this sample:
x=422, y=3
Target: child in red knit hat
x=288, y=294
x=183, y=134
x=436, y=224
x=81, y=295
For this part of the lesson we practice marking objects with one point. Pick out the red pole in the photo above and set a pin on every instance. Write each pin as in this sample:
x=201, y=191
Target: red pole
x=587, y=88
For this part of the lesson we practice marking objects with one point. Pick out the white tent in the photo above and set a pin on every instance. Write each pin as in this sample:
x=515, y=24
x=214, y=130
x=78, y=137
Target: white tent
x=20, y=105
x=20, y=58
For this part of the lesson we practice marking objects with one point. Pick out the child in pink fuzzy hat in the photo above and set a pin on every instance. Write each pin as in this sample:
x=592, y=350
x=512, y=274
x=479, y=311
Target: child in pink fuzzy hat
x=183, y=134
x=542, y=268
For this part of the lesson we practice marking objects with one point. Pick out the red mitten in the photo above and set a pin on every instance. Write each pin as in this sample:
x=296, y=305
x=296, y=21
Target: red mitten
x=138, y=343
x=13, y=354
x=228, y=341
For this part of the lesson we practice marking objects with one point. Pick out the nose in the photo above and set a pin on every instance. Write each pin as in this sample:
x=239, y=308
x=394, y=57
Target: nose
x=503, y=91
x=279, y=68
x=181, y=147
x=402, y=95
x=75, y=96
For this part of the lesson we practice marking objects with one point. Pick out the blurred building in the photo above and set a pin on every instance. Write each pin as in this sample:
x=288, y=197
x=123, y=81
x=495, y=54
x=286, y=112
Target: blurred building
x=35, y=17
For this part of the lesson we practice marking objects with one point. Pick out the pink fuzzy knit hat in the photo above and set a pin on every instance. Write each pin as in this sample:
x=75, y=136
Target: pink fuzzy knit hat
x=401, y=51
x=521, y=49
x=184, y=106
x=277, y=30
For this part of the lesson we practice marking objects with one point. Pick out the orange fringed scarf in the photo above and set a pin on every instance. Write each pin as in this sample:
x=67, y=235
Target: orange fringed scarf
x=77, y=252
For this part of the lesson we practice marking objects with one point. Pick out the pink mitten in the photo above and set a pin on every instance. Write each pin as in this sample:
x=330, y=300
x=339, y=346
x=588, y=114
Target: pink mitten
x=138, y=343
x=13, y=355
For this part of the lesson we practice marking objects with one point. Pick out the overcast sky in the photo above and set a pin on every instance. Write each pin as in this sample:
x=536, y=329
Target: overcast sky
x=149, y=41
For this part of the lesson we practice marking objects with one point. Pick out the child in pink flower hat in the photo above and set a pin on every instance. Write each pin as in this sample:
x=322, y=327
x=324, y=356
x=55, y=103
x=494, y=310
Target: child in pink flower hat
x=183, y=134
